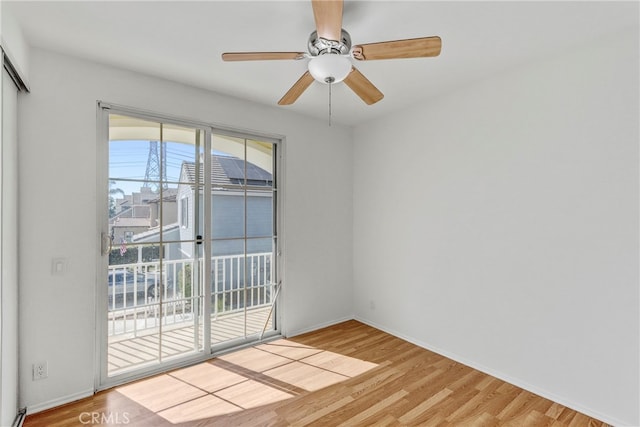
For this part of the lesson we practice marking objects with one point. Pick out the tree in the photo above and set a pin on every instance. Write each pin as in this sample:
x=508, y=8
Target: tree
x=184, y=286
x=184, y=281
x=113, y=192
x=149, y=254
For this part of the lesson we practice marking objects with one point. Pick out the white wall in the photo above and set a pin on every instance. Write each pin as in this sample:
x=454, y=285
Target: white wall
x=14, y=44
x=8, y=251
x=15, y=50
x=499, y=225
x=57, y=125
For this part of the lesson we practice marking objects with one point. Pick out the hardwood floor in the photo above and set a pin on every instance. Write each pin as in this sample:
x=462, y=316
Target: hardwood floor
x=345, y=375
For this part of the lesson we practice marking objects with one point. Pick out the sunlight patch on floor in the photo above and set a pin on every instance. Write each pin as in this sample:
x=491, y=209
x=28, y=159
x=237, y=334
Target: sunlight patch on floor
x=251, y=394
x=208, y=377
x=249, y=378
x=208, y=406
x=305, y=376
x=161, y=392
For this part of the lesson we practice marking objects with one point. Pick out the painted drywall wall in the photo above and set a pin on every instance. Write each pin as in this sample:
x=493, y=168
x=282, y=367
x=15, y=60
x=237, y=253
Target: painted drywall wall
x=8, y=251
x=499, y=225
x=14, y=44
x=57, y=124
x=15, y=49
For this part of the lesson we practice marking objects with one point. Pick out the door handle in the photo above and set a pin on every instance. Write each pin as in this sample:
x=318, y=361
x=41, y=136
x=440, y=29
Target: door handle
x=106, y=243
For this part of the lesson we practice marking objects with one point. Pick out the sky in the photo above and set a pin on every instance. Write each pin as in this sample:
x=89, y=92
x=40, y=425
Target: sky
x=128, y=159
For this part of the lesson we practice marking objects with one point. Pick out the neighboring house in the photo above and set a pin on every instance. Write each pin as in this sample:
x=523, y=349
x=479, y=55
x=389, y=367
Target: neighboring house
x=227, y=207
x=123, y=229
x=228, y=219
x=132, y=215
x=168, y=205
x=139, y=212
x=228, y=222
x=136, y=201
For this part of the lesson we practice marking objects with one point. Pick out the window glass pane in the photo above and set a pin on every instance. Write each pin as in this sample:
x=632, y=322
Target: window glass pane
x=129, y=146
x=227, y=247
x=259, y=213
x=227, y=214
x=228, y=146
x=128, y=160
x=130, y=210
x=179, y=161
x=132, y=128
x=260, y=154
x=259, y=201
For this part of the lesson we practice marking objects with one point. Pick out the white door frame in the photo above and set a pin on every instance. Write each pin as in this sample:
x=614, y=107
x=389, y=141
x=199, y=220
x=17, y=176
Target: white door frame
x=102, y=380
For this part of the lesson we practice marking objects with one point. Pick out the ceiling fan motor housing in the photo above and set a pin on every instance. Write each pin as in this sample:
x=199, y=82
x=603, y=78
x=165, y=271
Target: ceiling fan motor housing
x=319, y=46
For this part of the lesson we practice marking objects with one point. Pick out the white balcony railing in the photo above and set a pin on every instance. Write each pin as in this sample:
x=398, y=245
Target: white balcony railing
x=137, y=290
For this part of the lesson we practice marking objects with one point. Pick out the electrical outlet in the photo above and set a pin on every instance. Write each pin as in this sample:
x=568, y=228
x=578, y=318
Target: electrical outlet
x=40, y=371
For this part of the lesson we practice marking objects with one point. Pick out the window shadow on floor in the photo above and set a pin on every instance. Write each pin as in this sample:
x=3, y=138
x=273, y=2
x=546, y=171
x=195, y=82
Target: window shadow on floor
x=246, y=379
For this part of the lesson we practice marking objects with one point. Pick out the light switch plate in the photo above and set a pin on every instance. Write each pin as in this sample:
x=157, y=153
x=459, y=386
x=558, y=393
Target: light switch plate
x=58, y=266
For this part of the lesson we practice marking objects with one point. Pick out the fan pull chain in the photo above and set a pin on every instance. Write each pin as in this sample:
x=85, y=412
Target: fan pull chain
x=329, y=104
x=329, y=81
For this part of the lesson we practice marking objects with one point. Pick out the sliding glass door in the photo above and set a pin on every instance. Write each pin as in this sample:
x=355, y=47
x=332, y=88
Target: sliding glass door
x=242, y=237
x=189, y=243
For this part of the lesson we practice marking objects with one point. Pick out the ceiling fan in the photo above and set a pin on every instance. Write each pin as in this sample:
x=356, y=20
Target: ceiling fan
x=330, y=51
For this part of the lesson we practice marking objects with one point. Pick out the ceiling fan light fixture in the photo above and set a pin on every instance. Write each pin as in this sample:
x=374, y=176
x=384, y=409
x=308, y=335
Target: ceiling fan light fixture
x=330, y=68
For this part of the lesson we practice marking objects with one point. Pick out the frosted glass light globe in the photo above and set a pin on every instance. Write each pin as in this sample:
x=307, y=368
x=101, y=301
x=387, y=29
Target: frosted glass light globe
x=330, y=68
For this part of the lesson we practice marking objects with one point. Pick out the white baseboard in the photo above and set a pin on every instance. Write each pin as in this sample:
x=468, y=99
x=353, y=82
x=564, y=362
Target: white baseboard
x=514, y=381
x=32, y=409
x=295, y=332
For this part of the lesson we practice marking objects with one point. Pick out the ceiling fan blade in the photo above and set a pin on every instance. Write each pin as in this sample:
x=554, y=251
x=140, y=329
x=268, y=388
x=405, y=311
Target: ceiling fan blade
x=328, y=16
x=409, y=48
x=260, y=56
x=363, y=87
x=296, y=90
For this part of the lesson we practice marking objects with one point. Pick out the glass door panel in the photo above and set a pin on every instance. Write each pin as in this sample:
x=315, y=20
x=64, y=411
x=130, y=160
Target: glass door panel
x=155, y=298
x=242, y=238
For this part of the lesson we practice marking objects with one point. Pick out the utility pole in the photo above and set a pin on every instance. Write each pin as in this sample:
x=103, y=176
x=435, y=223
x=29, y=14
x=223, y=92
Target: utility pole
x=156, y=173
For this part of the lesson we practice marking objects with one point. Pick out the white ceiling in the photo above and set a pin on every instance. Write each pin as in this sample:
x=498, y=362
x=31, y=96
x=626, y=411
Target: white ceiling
x=183, y=41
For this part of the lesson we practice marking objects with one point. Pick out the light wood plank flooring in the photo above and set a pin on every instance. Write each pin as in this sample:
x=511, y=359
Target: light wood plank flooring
x=345, y=375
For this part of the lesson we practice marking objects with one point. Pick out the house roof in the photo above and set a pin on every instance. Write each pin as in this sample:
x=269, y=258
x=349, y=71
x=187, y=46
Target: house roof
x=152, y=234
x=227, y=170
x=135, y=211
x=131, y=222
x=168, y=195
